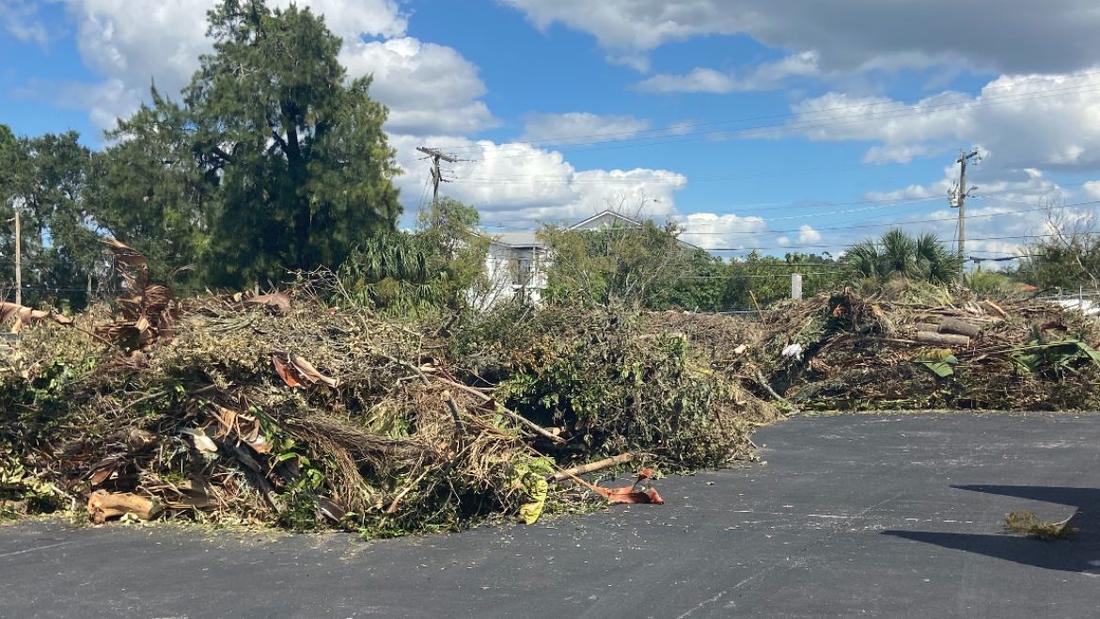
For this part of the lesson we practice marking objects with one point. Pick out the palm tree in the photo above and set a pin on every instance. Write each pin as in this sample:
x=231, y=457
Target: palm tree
x=899, y=253
x=935, y=263
x=896, y=253
x=864, y=259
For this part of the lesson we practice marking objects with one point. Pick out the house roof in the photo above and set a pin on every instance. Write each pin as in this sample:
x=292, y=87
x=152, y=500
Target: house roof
x=525, y=238
x=605, y=214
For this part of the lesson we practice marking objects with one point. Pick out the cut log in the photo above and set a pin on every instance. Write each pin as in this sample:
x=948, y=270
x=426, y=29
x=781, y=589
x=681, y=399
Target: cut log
x=103, y=505
x=942, y=339
x=926, y=326
x=958, y=327
x=591, y=466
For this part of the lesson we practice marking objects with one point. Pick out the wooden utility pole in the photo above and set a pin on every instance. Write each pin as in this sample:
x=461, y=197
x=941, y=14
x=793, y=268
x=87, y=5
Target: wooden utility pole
x=18, y=260
x=436, y=156
x=959, y=199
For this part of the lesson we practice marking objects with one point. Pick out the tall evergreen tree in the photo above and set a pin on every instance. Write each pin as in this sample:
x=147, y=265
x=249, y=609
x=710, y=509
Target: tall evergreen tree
x=273, y=160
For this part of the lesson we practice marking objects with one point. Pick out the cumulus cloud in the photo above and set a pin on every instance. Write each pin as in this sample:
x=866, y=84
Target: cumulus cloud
x=699, y=79
x=429, y=88
x=765, y=76
x=1091, y=189
x=807, y=234
x=131, y=43
x=581, y=126
x=433, y=92
x=520, y=185
x=725, y=231
x=847, y=34
x=1019, y=120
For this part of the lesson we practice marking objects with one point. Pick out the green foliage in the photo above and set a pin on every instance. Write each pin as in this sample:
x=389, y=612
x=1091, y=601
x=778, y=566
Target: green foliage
x=619, y=392
x=991, y=283
x=1067, y=262
x=700, y=287
x=940, y=361
x=897, y=254
x=1027, y=523
x=760, y=279
x=47, y=178
x=23, y=491
x=1056, y=359
x=152, y=192
x=618, y=264
x=647, y=266
x=272, y=162
x=410, y=273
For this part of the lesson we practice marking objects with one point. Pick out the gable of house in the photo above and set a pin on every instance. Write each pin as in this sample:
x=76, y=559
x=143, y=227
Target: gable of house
x=605, y=219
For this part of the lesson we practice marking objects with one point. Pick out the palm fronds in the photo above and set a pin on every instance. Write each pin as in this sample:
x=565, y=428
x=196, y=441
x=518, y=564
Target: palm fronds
x=895, y=253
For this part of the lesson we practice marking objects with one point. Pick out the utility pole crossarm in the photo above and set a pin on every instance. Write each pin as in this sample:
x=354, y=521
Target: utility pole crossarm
x=435, y=153
x=436, y=156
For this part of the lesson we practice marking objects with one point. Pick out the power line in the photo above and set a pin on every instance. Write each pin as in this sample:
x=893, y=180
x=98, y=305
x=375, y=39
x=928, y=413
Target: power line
x=756, y=276
x=898, y=223
x=842, y=245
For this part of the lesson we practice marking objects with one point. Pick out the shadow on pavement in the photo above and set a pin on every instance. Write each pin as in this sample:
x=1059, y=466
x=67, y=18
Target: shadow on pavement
x=1080, y=553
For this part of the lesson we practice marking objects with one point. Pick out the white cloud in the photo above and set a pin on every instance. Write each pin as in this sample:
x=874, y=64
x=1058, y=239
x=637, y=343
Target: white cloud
x=699, y=79
x=807, y=235
x=728, y=231
x=102, y=100
x=1019, y=121
x=521, y=185
x=1091, y=189
x=131, y=43
x=20, y=19
x=429, y=88
x=580, y=126
x=350, y=19
x=1027, y=186
x=433, y=92
x=765, y=76
x=848, y=34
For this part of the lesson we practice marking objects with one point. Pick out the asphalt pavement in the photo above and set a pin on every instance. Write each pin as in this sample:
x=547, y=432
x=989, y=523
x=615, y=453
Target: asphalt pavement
x=851, y=515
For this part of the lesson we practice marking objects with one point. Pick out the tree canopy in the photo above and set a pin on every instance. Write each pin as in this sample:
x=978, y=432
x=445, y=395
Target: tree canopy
x=46, y=178
x=272, y=161
x=438, y=266
x=922, y=257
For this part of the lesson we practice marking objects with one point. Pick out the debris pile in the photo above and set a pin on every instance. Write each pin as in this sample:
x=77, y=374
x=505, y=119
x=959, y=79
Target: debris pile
x=292, y=410
x=885, y=352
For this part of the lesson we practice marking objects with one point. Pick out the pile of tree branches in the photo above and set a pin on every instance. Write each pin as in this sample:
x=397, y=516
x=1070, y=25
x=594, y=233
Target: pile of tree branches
x=909, y=347
x=302, y=409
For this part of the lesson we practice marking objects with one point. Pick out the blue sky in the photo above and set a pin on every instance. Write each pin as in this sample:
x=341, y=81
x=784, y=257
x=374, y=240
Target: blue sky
x=789, y=128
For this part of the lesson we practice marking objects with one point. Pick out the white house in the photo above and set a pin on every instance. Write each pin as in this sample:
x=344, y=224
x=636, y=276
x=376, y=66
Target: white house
x=517, y=261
